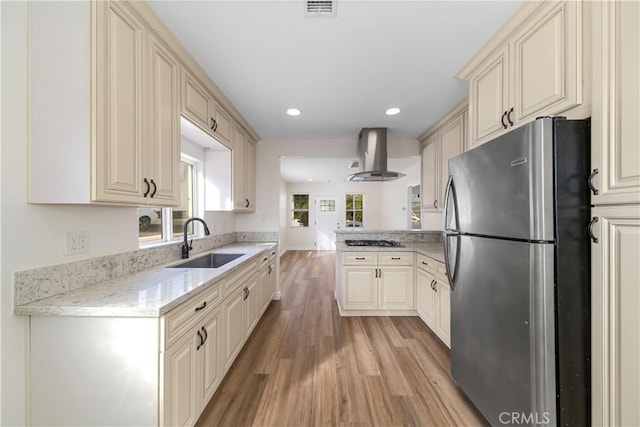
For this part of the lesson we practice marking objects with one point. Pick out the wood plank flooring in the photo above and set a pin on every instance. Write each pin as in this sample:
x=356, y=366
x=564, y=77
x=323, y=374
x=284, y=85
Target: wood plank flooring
x=304, y=365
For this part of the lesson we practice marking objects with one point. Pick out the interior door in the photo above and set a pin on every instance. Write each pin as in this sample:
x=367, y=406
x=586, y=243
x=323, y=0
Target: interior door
x=327, y=220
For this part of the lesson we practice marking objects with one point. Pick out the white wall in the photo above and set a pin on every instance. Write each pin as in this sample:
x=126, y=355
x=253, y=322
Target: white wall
x=394, y=205
x=305, y=238
x=282, y=208
x=268, y=154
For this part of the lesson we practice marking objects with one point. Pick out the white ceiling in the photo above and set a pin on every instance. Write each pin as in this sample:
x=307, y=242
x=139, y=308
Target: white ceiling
x=342, y=72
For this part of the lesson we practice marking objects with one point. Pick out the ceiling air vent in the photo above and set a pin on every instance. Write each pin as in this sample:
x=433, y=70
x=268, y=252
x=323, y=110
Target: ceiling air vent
x=320, y=8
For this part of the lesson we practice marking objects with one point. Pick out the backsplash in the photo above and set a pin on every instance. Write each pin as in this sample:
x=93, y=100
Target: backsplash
x=33, y=285
x=404, y=236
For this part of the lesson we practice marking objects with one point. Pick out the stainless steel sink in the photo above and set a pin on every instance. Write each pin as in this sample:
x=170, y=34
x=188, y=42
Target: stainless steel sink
x=213, y=260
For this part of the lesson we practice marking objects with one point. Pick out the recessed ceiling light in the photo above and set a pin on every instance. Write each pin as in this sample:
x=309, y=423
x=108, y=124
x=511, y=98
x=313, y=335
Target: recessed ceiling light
x=392, y=111
x=293, y=112
x=309, y=179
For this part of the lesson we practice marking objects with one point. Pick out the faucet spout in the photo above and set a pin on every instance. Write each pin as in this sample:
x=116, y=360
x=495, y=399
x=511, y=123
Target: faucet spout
x=186, y=247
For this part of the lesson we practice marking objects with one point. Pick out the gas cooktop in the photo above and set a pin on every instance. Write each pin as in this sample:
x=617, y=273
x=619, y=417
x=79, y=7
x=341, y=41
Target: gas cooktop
x=381, y=243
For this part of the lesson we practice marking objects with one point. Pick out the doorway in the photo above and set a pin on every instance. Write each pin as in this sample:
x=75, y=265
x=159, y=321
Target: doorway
x=327, y=220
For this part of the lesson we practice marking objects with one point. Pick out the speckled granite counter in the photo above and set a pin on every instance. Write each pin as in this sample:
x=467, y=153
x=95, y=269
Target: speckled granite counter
x=149, y=293
x=432, y=250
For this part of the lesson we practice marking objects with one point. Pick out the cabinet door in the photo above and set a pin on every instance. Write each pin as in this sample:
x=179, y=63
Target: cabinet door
x=547, y=76
x=489, y=98
x=396, y=288
x=163, y=143
x=197, y=104
x=233, y=311
x=210, y=356
x=360, y=288
x=426, y=305
x=451, y=143
x=615, y=317
x=181, y=371
x=443, y=322
x=253, y=304
x=615, y=149
x=120, y=70
x=239, y=154
x=250, y=176
x=429, y=176
x=223, y=129
x=264, y=278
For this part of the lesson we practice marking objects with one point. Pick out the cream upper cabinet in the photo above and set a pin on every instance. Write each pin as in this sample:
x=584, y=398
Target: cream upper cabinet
x=163, y=152
x=615, y=297
x=120, y=72
x=451, y=139
x=443, y=141
x=113, y=135
x=615, y=140
x=489, y=98
x=201, y=108
x=428, y=186
x=534, y=70
x=244, y=169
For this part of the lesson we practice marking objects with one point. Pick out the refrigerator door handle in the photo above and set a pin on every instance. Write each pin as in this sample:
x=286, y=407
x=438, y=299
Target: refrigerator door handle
x=450, y=192
x=451, y=270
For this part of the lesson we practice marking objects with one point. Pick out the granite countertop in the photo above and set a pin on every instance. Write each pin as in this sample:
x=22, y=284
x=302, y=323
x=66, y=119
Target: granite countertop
x=149, y=293
x=432, y=250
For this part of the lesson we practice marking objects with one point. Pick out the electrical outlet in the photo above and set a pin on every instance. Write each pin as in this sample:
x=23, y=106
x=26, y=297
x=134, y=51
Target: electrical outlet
x=77, y=242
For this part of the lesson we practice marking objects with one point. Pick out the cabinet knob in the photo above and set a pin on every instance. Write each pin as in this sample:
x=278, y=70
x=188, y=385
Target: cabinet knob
x=592, y=187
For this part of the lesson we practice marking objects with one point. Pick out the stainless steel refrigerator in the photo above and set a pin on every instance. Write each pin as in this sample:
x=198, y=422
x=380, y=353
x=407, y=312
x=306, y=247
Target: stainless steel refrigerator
x=517, y=253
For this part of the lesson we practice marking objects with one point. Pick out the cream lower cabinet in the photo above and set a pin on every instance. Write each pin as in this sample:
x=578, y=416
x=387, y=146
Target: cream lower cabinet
x=434, y=297
x=615, y=295
x=253, y=304
x=267, y=279
x=192, y=371
x=378, y=282
x=533, y=69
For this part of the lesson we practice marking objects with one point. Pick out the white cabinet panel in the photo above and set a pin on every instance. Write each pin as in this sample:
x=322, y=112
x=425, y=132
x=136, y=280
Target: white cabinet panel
x=426, y=306
x=615, y=146
x=360, y=288
x=233, y=311
x=428, y=188
x=396, y=288
x=615, y=317
x=180, y=386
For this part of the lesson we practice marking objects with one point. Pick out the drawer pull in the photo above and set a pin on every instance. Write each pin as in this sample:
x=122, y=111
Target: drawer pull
x=425, y=263
x=265, y=258
x=201, y=341
x=200, y=307
x=360, y=258
x=396, y=258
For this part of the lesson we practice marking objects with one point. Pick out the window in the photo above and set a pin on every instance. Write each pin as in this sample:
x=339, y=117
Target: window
x=327, y=205
x=157, y=224
x=299, y=210
x=354, y=210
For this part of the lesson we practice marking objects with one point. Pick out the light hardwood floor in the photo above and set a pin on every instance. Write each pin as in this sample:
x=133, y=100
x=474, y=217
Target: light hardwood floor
x=304, y=365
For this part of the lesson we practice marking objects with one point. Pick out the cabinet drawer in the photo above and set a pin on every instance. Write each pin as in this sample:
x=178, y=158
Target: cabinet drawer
x=182, y=318
x=395, y=258
x=360, y=258
x=264, y=260
x=240, y=276
x=427, y=264
x=441, y=271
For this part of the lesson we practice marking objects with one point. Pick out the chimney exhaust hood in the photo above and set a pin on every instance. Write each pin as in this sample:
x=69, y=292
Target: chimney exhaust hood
x=372, y=149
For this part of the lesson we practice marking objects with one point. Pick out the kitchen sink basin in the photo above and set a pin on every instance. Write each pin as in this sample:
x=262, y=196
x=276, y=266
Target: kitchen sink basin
x=214, y=260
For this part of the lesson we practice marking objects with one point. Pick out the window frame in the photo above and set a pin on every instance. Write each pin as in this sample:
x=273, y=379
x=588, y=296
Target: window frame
x=354, y=210
x=166, y=231
x=292, y=210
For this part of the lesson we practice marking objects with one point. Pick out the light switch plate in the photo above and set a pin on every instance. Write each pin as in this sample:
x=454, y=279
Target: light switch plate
x=77, y=242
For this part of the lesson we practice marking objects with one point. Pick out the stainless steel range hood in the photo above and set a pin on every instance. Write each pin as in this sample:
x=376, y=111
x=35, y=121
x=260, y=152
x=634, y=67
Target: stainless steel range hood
x=372, y=149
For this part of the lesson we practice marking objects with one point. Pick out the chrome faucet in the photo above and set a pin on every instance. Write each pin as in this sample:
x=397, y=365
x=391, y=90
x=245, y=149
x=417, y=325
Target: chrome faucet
x=186, y=247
